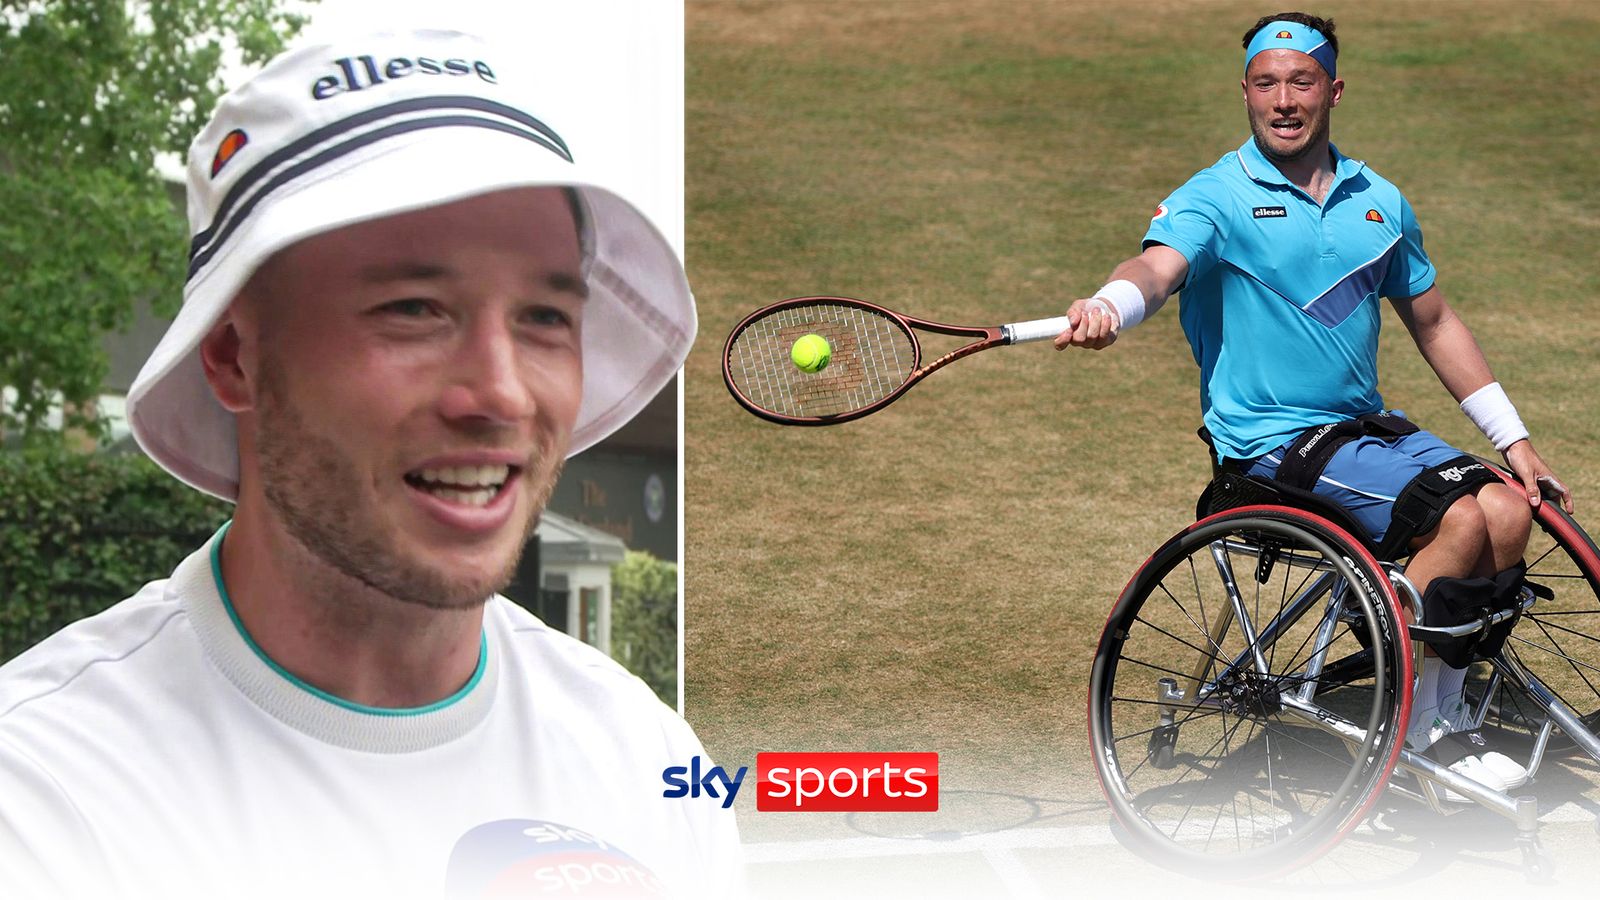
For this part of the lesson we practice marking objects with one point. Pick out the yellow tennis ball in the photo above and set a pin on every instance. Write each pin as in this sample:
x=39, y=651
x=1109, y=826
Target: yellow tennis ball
x=811, y=353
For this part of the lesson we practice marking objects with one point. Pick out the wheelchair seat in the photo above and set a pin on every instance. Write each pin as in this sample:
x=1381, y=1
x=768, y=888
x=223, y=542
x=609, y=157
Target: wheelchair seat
x=1230, y=489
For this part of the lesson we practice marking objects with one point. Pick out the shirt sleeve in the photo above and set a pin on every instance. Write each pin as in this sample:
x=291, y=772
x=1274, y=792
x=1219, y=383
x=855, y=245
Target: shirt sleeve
x=1410, y=271
x=1194, y=222
x=46, y=849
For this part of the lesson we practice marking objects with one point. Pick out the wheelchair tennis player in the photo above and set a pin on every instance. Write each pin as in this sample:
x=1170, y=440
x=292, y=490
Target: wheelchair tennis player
x=1281, y=250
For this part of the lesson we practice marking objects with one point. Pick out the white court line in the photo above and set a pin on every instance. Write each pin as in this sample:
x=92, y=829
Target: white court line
x=998, y=847
x=857, y=848
x=1013, y=874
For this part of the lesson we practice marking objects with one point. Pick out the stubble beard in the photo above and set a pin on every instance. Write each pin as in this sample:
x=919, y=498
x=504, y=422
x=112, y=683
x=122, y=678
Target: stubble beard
x=1261, y=131
x=315, y=490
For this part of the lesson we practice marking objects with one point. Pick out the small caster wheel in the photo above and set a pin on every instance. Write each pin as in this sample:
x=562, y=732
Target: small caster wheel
x=1537, y=867
x=1163, y=746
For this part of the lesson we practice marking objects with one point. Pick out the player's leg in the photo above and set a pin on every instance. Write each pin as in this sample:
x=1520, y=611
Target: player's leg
x=1365, y=476
x=1456, y=548
x=1497, y=518
x=1495, y=521
x=1472, y=541
x=1508, y=521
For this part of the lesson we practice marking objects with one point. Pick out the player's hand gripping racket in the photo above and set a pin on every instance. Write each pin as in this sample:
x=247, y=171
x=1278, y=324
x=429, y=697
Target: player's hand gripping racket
x=875, y=357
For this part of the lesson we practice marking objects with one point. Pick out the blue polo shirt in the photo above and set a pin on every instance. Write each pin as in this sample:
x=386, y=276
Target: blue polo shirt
x=1281, y=301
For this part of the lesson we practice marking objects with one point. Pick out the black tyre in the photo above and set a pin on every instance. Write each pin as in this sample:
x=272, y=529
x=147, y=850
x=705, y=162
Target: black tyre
x=1226, y=761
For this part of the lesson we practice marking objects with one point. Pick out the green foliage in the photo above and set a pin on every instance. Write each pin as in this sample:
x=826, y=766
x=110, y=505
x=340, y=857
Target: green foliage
x=644, y=621
x=90, y=91
x=79, y=532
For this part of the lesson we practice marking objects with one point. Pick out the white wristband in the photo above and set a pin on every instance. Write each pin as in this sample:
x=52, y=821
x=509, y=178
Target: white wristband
x=1492, y=412
x=1125, y=297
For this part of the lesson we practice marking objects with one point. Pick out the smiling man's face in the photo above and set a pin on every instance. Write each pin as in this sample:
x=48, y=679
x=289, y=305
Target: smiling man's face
x=417, y=380
x=1289, y=98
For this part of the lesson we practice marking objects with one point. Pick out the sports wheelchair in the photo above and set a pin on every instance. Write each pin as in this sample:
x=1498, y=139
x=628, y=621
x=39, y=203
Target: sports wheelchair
x=1252, y=688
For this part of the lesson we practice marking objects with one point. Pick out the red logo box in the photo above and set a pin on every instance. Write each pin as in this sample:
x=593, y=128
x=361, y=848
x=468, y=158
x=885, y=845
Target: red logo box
x=847, y=782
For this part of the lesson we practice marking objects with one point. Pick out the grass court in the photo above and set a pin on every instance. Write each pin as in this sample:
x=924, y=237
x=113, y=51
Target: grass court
x=935, y=577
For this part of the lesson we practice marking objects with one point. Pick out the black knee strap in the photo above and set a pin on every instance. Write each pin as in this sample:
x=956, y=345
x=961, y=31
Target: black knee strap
x=1424, y=499
x=1457, y=601
x=1507, y=595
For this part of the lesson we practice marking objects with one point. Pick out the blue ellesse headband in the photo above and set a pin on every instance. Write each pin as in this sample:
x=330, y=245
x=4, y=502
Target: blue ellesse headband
x=1293, y=36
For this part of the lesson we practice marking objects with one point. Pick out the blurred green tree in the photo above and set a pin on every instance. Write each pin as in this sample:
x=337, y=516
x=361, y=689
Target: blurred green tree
x=644, y=621
x=90, y=92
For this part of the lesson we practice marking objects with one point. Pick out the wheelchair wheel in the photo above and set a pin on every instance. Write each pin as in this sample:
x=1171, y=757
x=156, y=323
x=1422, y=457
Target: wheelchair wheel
x=1557, y=639
x=1241, y=731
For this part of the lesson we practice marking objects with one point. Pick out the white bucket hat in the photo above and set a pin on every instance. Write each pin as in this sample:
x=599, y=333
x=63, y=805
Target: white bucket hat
x=337, y=133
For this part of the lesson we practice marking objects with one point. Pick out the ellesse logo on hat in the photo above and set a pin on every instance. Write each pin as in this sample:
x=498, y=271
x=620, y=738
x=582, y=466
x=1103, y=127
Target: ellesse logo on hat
x=231, y=144
x=1374, y=216
x=1284, y=34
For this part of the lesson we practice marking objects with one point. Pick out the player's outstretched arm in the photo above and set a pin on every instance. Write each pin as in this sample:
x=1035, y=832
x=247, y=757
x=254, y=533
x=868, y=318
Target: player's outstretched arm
x=1137, y=288
x=1449, y=347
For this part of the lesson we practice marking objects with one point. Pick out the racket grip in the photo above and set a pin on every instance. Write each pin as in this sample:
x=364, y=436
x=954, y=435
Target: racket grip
x=1035, y=330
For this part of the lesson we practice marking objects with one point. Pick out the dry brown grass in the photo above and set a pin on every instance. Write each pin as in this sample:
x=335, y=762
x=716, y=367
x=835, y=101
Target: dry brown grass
x=935, y=576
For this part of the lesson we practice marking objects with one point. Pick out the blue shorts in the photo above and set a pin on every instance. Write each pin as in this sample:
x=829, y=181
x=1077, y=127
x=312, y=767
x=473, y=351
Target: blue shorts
x=1365, y=475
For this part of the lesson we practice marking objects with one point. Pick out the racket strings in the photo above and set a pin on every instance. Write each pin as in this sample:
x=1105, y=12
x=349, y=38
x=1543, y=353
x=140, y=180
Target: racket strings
x=872, y=356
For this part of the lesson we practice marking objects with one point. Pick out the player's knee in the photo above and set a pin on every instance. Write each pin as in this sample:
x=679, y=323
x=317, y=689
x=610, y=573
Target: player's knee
x=1507, y=514
x=1463, y=527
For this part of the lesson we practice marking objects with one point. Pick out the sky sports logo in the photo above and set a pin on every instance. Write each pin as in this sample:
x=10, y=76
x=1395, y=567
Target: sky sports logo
x=818, y=782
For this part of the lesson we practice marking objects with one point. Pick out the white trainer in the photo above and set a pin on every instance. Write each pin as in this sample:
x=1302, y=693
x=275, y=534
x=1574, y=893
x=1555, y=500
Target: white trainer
x=1513, y=773
x=1476, y=769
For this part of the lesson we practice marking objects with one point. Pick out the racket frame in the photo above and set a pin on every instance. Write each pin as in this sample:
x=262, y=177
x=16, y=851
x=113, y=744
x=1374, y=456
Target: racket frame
x=987, y=336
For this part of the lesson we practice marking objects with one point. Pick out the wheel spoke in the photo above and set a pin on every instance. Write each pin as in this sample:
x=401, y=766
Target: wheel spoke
x=1154, y=728
x=1233, y=777
x=1148, y=665
x=1555, y=638
x=1226, y=733
x=1198, y=649
x=1544, y=627
x=1530, y=566
x=1198, y=625
x=1568, y=658
x=1149, y=754
x=1539, y=619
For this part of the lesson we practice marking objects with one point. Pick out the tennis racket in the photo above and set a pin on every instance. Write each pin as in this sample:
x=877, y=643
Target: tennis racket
x=876, y=357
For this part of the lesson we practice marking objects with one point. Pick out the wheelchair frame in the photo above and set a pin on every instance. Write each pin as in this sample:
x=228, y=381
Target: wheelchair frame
x=1350, y=605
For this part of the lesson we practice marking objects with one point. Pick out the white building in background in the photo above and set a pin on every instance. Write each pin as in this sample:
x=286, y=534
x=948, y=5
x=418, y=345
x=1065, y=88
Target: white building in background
x=575, y=561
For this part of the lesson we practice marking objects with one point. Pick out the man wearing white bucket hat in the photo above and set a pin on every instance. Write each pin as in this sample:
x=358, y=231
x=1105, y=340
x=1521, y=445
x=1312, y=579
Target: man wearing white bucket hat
x=407, y=302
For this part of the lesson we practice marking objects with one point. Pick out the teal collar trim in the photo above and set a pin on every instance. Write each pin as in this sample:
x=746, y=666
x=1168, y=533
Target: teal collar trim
x=227, y=604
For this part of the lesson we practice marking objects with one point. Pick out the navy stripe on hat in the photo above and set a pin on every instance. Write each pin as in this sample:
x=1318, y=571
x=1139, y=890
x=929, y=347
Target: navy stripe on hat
x=208, y=242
